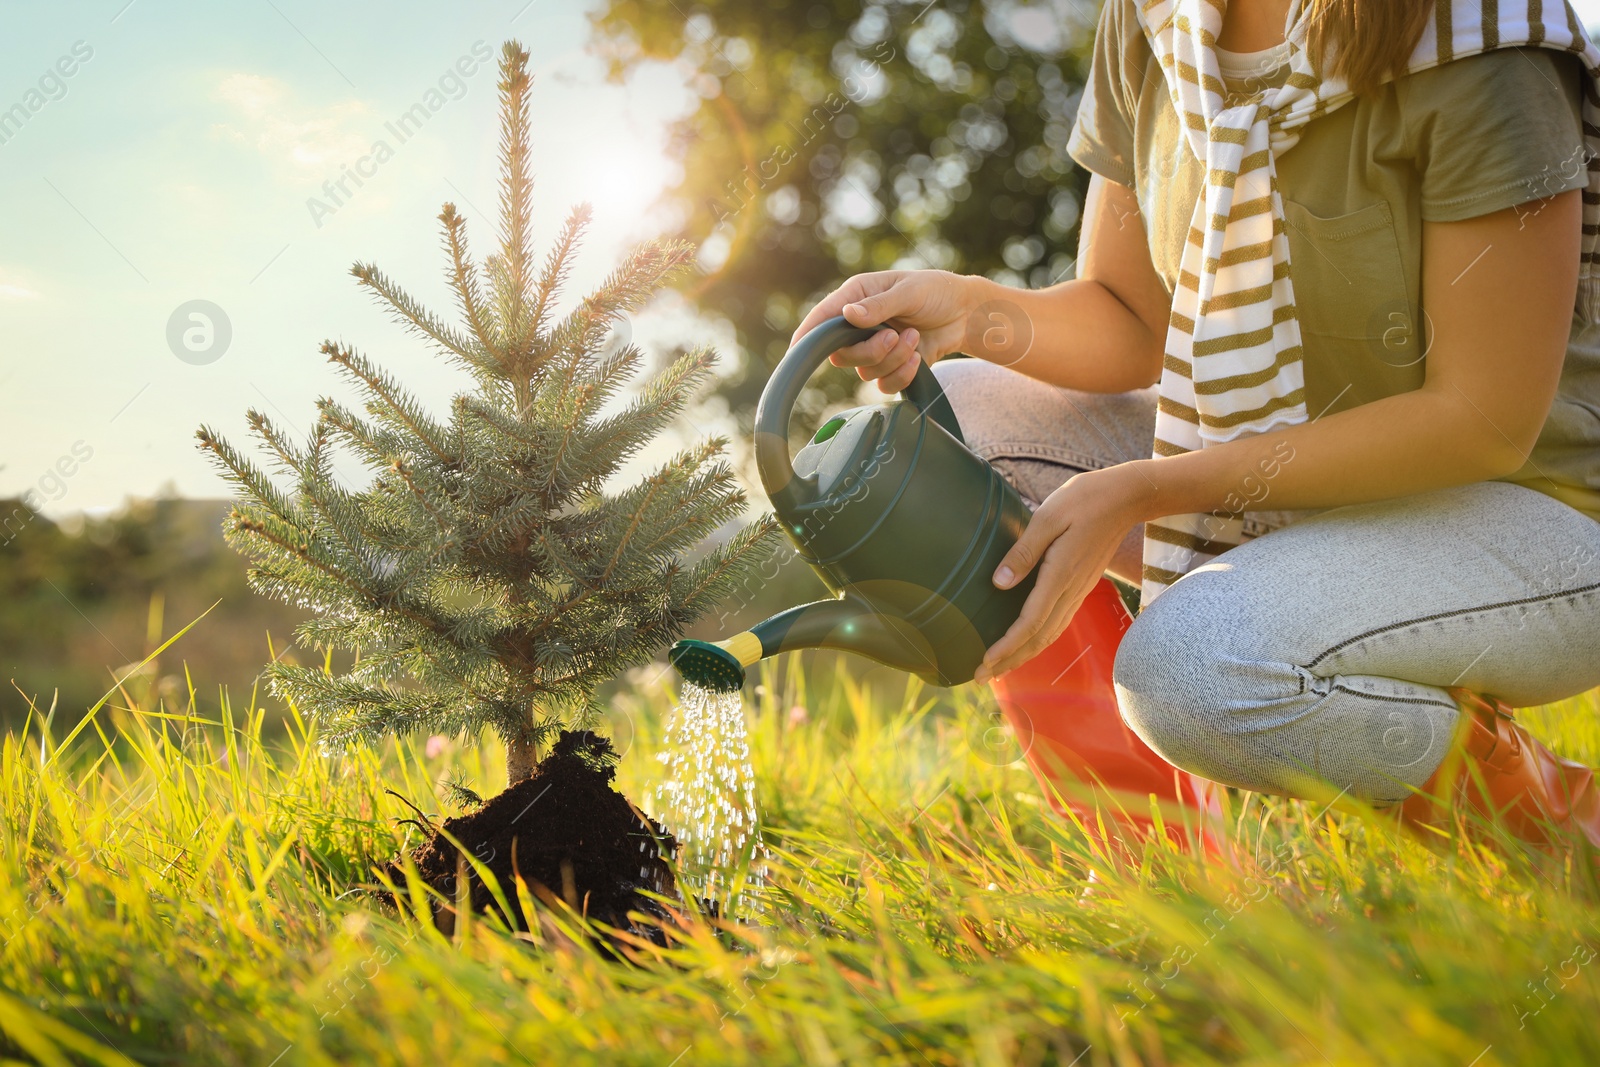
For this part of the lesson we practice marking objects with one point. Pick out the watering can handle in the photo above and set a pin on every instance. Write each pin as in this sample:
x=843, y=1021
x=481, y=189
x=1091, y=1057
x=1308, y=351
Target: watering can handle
x=790, y=377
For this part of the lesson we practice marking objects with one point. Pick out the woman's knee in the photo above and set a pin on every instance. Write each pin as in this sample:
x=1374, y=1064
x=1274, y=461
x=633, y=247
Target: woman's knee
x=1199, y=679
x=1204, y=679
x=1169, y=682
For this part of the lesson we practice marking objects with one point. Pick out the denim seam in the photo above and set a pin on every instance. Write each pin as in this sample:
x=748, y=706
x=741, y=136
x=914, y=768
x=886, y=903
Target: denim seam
x=1453, y=614
x=1253, y=528
x=1388, y=699
x=1007, y=450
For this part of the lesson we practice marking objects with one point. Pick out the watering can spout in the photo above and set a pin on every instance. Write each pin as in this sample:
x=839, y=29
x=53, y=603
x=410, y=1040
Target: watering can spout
x=847, y=624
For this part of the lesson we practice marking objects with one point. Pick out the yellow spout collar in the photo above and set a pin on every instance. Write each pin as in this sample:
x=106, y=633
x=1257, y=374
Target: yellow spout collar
x=745, y=647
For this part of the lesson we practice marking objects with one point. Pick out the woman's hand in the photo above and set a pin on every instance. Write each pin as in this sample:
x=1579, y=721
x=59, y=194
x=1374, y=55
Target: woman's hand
x=926, y=311
x=1071, y=539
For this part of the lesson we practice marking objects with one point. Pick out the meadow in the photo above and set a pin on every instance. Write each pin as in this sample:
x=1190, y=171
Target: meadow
x=181, y=883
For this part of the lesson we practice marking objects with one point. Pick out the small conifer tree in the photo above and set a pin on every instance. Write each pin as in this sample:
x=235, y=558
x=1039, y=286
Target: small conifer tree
x=487, y=578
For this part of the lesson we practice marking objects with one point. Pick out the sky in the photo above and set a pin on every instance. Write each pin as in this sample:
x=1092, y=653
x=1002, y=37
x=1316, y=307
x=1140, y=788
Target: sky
x=174, y=243
x=179, y=152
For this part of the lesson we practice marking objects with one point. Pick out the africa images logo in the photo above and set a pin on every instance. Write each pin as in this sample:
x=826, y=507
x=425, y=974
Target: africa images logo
x=52, y=85
x=451, y=85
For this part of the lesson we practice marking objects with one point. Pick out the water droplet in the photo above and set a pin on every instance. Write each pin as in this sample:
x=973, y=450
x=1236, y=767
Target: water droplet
x=707, y=799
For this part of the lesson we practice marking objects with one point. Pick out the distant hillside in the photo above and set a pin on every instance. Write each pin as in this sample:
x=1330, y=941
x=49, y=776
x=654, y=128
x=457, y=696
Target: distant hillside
x=82, y=602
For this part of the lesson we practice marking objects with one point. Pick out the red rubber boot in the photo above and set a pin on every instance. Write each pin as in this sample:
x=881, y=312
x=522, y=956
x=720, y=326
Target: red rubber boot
x=1063, y=710
x=1500, y=770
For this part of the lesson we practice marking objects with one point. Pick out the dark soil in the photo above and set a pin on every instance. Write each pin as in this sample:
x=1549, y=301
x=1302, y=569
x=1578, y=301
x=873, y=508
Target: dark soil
x=573, y=836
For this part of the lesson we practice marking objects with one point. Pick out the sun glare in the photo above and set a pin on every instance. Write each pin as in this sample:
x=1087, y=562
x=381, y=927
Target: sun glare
x=623, y=179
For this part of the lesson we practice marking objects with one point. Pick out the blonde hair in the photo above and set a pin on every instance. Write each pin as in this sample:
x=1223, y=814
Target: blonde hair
x=1365, y=41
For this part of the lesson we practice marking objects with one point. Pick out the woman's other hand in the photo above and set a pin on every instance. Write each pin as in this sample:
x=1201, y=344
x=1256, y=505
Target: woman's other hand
x=1070, y=539
x=925, y=313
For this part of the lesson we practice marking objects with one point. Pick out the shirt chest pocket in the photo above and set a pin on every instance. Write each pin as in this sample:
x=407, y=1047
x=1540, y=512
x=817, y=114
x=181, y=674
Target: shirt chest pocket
x=1349, y=281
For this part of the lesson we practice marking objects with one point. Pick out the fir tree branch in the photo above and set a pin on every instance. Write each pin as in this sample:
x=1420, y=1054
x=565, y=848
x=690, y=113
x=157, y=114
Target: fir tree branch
x=557, y=466
x=463, y=275
x=318, y=461
x=611, y=374
x=376, y=448
x=653, y=485
x=715, y=504
x=637, y=502
x=395, y=400
x=246, y=475
x=507, y=529
x=289, y=457
x=613, y=441
x=350, y=711
x=444, y=523
x=325, y=501
x=643, y=271
x=557, y=266
x=750, y=546
x=367, y=589
x=301, y=549
x=516, y=186
x=521, y=445
x=421, y=321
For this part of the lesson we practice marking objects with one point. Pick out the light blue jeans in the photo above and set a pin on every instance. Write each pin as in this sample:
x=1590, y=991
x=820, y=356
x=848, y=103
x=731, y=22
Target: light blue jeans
x=1318, y=653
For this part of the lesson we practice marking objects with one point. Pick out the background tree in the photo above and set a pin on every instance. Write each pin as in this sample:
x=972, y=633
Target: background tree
x=485, y=578
x=835, y=137
x=84, y=601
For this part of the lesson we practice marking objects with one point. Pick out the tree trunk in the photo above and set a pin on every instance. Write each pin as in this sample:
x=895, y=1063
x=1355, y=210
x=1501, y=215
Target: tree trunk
x=522, y=755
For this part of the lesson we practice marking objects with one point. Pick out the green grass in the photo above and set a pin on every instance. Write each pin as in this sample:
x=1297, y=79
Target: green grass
x=181, y=891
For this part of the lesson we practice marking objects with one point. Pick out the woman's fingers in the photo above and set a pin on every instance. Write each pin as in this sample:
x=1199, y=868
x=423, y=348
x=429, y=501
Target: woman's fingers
x=858, y=288
x=1045, y=635
x=1069, y=541
x=903, y=297
x=1039, y=546
x=1050, y=608
x=1036, y=612
x=895, y=371
x=885, y=354
x=870, y=300
x=848, y=293
x=897, y=380
x=868, y=353
x=1042, y=531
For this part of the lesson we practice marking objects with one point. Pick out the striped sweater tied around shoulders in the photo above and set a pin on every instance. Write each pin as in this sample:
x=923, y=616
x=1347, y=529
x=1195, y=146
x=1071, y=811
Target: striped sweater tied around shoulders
x=1232, y=365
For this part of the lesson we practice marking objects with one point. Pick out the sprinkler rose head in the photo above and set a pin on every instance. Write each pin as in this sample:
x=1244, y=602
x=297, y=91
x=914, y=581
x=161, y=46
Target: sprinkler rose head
x=707, y=665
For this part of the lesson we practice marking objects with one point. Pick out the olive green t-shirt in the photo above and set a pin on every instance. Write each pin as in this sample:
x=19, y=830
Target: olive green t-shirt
x=1470, y=137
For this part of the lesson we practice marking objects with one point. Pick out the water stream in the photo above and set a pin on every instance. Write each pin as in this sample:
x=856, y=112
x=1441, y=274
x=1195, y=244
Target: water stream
x=707, y=799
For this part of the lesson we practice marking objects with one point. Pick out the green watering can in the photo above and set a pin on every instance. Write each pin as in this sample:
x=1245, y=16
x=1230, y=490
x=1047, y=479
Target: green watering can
x=898, y=517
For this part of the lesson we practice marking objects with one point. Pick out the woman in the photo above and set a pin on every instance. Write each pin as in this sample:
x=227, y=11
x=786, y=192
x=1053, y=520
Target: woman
x=1334, y=276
